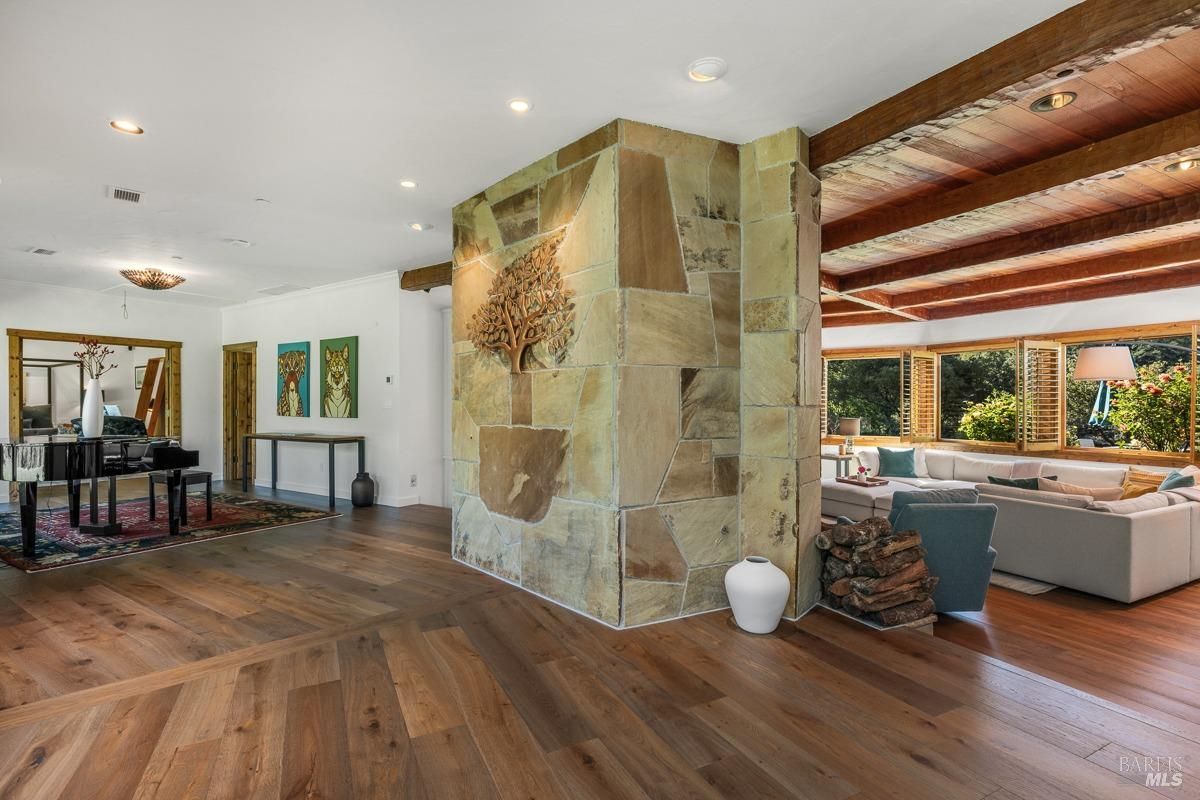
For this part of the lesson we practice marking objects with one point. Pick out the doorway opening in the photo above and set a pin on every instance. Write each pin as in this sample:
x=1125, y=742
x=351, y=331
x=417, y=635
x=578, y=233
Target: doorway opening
x=239, y=401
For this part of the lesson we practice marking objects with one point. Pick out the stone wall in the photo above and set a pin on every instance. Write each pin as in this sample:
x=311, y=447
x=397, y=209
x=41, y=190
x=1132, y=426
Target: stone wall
x=678, y=383
x=535, y=497
x=781, y=360
x=608, y=478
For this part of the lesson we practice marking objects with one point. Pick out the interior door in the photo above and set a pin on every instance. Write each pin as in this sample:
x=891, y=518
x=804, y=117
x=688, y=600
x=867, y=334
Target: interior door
x=239, y=408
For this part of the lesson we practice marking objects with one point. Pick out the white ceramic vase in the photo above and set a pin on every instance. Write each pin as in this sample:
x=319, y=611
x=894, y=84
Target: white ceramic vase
x=758, y=591
x=91, y=418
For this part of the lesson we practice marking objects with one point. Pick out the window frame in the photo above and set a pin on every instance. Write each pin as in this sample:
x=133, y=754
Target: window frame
x=1062, y=340
x=857, y=355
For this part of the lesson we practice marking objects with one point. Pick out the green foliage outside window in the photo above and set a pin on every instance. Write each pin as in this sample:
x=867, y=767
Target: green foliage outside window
x=993, y=420
x=973, y=390
x=868, y=388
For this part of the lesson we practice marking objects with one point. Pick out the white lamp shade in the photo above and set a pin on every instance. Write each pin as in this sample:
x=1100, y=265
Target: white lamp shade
x=1104, y=364
x=850, y=426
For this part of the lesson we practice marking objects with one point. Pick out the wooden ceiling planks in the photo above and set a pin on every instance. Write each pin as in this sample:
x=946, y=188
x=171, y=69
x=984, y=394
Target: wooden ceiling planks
x=998, y=195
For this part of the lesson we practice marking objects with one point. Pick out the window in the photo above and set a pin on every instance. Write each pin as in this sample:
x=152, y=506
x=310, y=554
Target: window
x=1151, y=413
x=978, y=393
x=864, y=387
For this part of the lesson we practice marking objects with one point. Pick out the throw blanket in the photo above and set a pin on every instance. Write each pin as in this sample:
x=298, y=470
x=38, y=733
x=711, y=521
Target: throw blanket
x=1189, y=494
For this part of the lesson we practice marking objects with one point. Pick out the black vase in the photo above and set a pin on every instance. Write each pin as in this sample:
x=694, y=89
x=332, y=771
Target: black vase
x=362, y=491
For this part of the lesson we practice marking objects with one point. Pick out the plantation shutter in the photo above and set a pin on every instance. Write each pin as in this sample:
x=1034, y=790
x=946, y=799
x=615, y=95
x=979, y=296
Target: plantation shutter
x=918, y=396
x=1041, y=406
x=1195, y=413
x=824, y=397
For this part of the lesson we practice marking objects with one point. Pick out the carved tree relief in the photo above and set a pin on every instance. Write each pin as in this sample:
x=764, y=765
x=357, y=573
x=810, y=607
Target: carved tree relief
x=526, y=304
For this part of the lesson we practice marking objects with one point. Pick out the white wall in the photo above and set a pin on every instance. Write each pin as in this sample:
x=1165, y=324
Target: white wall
x=44, y=308
x=400, y=334
x=1174, y=305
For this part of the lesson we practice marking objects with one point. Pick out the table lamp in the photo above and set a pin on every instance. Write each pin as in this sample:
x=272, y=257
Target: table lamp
x=1105, y=364
x=850, y=427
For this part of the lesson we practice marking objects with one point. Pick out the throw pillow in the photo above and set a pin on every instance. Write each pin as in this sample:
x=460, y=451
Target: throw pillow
x=1177, y=480
x=902, y=499
x=894, y=463
x=1139, y=482
x=1048, y=485
x=1019, y=483
x=1147, y=502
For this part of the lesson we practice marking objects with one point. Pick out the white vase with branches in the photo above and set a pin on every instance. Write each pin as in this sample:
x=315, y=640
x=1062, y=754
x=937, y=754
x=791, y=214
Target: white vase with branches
x=92, y=356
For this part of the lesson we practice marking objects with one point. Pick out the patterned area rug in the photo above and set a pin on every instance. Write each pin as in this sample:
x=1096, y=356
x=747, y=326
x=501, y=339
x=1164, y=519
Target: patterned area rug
x=60, y=545
x=1019, y=584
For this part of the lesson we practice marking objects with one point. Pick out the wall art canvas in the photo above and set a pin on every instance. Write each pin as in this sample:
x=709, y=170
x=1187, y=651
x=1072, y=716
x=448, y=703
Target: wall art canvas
x=291, y=392
x=339, y=377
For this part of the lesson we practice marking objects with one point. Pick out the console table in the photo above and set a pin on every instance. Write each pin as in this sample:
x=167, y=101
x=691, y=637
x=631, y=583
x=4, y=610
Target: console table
x=310, y=438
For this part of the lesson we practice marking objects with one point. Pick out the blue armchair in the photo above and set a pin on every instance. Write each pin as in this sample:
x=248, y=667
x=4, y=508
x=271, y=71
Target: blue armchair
x=956, y=531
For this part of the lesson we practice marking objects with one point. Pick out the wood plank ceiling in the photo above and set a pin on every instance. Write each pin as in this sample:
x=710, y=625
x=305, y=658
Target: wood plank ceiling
x=954, y=197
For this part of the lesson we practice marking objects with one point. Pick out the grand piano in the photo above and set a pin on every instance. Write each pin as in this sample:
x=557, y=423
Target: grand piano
x=74, y=459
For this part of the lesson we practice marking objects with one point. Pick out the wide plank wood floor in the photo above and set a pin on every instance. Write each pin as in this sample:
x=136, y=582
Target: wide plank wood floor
x=352, y=658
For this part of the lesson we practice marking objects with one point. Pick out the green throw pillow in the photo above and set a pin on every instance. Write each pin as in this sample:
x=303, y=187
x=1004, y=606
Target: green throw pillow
x=1019, y=483
x=897, y=463
x=1177, y=480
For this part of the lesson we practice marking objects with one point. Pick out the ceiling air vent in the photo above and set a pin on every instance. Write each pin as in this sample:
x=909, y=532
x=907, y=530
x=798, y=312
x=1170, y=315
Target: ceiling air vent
x=41, y=251
x=127, y=195
x=283, y=288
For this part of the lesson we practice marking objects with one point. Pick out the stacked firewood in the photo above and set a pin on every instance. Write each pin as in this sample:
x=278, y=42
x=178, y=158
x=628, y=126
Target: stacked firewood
x=874, y=572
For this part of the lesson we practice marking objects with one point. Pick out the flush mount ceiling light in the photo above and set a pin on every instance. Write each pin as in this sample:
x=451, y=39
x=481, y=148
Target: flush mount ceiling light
x=407, y=184
x=420, y=226
x=520, y=105
x=125, y=126
x=710, y=68
x=1053, y=102
x=151, y=278
x=1182, y=166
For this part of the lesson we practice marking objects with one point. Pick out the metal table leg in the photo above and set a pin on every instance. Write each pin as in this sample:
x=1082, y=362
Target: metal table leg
x=28, y=492
x=274, y=463
x=332, y=482
x=245, y=463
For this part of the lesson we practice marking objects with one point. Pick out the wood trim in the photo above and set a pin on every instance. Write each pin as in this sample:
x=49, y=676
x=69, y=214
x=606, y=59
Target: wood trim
x=243, y=347
x=1157, y=140
x=175, y=392
x=1081, y=38
x=878, y=301
x=865, y=318
x=426, y=278
x=16, y=386
x=1137, y=284
x=1148, y=216
x=124, y=341
x=1109, y=266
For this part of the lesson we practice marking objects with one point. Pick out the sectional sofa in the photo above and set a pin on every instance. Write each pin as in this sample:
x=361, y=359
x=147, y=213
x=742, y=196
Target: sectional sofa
x=1062, y=539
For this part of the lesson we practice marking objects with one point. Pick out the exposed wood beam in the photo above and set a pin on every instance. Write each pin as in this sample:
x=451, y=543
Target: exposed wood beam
x=1135, y=284
x=425, y=278
x=835, y=308
x=879, y=301
x=865, y=318
x=1148, y=143
x=1161, y=213
x=1109, y=266
x=1080, y=39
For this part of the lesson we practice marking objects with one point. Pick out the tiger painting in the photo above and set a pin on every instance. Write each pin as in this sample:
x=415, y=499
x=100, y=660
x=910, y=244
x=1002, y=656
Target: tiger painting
x=337, y=399
x=292, y=367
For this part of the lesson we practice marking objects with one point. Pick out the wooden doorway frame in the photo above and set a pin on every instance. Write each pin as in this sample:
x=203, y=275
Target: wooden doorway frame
x=16, y=384
x=232, y=448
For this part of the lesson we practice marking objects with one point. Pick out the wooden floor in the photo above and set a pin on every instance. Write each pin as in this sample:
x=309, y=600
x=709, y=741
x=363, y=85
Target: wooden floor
x=352, y=658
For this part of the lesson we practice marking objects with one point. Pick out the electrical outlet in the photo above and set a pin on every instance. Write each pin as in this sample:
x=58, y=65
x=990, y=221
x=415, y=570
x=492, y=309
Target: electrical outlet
x=412, y=479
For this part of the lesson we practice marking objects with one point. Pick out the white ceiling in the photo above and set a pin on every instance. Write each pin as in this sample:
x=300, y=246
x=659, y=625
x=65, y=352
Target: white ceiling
x=322, y=107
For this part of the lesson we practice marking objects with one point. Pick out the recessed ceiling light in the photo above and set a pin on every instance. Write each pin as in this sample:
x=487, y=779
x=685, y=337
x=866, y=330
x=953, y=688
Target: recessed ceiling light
x=125, y=126
x=1116, y=176
x=1182, y=166
x=710, y=68
x=420, y=226
x=238, y=242
x=520, y=105
x=1053, y=102
x=407, y=184
x=262, y=201
x=1063, y=73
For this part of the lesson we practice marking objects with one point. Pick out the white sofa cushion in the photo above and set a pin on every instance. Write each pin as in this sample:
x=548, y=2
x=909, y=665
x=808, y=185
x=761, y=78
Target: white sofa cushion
x=940, y=464
x=1095, y=477
x=977, y=470
x=1029, y=469
x=868, y=457
x=1033, y=495
x=1133, y=505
